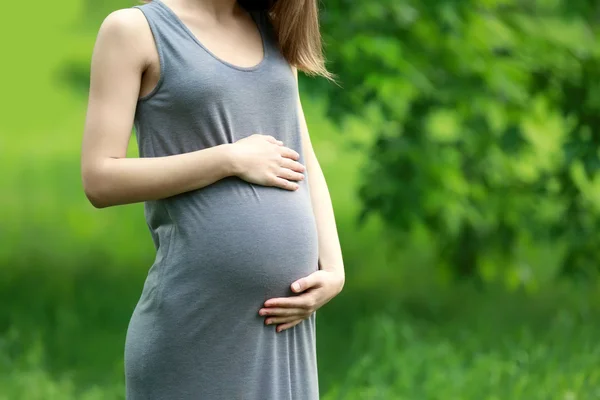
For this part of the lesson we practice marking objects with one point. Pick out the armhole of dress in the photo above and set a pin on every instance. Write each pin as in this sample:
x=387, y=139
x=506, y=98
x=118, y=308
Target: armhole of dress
x=159, y=50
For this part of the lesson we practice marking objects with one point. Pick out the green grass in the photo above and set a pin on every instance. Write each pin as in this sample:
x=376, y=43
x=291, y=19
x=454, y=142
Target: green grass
x=449, y=343
x=464, y=344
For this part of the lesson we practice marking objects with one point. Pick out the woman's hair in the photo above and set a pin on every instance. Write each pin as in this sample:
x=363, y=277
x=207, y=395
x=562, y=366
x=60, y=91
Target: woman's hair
x=296, y=25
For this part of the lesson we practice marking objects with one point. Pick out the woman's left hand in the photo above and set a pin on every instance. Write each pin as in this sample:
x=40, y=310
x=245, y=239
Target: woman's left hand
x=318, y=288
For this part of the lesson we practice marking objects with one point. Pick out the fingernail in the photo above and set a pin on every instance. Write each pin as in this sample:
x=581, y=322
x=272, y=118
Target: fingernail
x=261, y=312
x=296, y=286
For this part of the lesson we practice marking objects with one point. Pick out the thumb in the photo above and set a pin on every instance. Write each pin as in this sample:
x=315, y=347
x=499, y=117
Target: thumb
x=305, y=283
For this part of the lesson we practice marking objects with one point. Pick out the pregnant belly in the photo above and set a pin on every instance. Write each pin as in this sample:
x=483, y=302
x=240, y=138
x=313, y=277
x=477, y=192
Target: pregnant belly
x=237, y=239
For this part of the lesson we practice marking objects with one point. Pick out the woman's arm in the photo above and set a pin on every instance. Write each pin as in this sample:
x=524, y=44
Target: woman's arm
x=318, y=288
x=330, y=252
x=124, y=48
x=121, y=54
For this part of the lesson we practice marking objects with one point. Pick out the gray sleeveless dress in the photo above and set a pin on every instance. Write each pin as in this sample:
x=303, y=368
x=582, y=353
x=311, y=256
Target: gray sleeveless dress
x=222, y=250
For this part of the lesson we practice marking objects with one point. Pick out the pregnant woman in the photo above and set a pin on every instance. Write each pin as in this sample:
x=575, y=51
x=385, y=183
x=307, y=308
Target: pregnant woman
x=235, y=200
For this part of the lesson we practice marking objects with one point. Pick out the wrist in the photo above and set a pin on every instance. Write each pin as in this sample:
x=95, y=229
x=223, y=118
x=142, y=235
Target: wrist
x=231, y=162
x=338, y=276
x=341, y=280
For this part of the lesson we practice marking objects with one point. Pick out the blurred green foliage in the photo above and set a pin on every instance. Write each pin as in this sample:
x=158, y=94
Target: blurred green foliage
x=487, y=115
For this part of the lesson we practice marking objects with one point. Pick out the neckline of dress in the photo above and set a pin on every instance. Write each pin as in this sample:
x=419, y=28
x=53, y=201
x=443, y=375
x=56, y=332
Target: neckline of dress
x=258, y=24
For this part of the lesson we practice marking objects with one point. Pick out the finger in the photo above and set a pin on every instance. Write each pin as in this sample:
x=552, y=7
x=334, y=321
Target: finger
x=304, y=301
x=273, y=140
x=291, y=164
x=281, y=320
x=289, y=153
x=288, y=325
x=284, y=183
x=279, y=311
x=290, y=175
x=310, y=281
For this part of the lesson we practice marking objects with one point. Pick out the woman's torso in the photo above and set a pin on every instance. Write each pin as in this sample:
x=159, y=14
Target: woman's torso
x=231, y=238
x=224, y=249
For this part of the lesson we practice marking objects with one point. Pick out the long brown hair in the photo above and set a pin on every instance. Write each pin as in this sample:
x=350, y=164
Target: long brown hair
x=296, y=25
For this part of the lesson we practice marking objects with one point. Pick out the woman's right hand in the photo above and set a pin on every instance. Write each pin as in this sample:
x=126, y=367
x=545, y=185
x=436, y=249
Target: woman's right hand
x=264, y=160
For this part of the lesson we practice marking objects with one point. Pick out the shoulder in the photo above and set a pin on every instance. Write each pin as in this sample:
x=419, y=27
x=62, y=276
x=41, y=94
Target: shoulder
x=126, y=31
x=124, y=24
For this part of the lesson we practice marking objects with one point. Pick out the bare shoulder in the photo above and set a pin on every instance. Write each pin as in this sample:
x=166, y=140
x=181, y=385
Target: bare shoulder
x=124, y=24
x=127, y=31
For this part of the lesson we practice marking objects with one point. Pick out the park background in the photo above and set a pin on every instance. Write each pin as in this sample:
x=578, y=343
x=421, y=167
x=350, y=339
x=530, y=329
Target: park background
x=461, y=153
